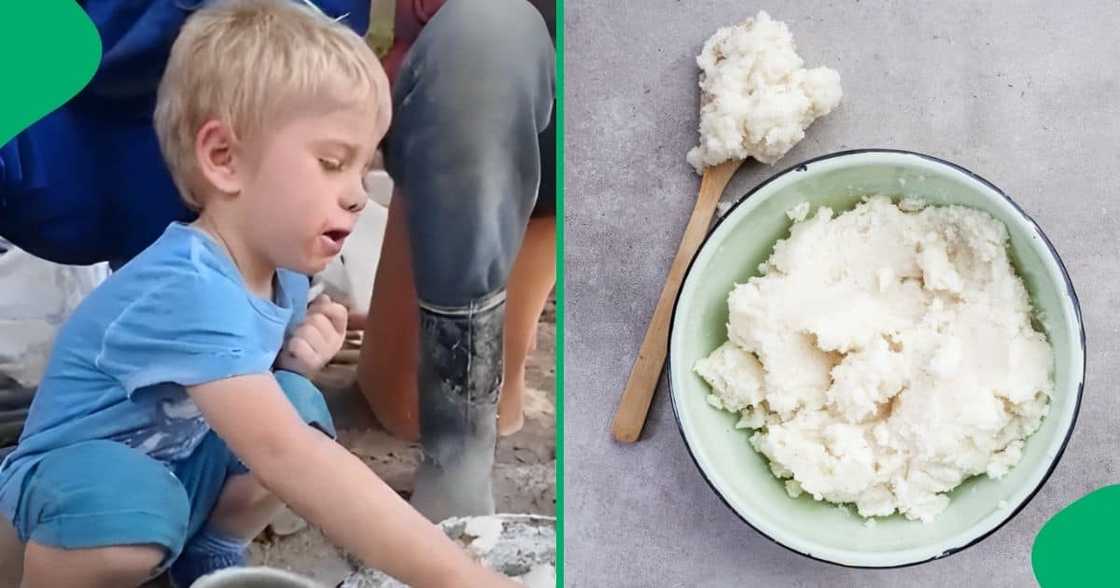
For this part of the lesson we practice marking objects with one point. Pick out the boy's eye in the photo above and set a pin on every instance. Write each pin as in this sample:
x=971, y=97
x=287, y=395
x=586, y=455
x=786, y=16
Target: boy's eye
x=330, y=164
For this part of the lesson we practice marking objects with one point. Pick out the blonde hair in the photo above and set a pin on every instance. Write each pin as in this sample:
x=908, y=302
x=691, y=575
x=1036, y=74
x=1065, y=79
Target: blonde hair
x=245, y=62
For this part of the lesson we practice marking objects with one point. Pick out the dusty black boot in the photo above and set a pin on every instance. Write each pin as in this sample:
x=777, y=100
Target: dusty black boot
x=460, y=379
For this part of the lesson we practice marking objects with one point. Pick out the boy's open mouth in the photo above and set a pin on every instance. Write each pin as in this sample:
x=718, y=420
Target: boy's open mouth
x=334, y=239
x=338, y=235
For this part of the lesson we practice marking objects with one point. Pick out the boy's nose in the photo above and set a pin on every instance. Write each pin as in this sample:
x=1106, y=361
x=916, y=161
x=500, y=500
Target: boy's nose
x=354, y=200
x=356, y=207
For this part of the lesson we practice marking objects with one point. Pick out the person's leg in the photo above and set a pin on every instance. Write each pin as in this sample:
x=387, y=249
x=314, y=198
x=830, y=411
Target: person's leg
x=472, y=98
x=229, y=507
x=532, y=278
x=81, y=530
x=390, y=356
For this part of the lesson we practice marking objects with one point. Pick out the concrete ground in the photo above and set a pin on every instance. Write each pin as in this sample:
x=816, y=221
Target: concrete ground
x=1022, y=93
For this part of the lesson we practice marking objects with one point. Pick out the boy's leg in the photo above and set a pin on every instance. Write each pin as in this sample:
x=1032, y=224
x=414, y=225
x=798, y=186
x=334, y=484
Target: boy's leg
x=472, y=98
x=11, y=555
x=105, y=567
x=229, y=507
x=244, y=509
x=225, y=503
x=82, y=530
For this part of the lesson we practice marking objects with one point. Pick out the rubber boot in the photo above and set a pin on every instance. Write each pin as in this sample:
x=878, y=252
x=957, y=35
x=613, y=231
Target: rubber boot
x=459, y=382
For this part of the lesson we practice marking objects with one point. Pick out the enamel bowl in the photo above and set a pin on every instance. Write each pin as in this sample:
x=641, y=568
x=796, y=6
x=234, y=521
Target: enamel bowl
x=731, y=254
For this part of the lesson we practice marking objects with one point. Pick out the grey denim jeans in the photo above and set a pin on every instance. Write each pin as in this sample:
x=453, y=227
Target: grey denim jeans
x=471, y=139
x=472, y=108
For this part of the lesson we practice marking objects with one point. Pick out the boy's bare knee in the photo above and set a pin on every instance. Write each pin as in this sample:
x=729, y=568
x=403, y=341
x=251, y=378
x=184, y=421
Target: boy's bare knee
x=121, y=565
x=141, y=560
x=11, y=555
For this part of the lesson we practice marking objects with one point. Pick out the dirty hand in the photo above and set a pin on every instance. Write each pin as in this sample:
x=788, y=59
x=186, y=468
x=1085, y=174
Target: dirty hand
x=317, y=339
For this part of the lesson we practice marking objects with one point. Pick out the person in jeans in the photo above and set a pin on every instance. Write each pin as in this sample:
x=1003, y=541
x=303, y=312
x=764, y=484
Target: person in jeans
x=472, y=152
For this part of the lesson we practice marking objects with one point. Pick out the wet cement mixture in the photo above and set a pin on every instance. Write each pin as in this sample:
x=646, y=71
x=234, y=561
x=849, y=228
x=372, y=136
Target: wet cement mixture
x=519, y=546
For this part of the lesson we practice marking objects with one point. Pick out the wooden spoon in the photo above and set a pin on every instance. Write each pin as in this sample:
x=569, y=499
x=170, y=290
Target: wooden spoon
x=632, y=409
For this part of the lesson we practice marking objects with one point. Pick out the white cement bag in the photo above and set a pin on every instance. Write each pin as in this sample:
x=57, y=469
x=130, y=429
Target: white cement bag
x=36, y=296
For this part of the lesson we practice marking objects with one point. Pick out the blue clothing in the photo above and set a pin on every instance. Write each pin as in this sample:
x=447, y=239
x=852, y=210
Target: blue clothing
x=177, y=315
x=209, y=551
x=101, y=493
x=70, y=182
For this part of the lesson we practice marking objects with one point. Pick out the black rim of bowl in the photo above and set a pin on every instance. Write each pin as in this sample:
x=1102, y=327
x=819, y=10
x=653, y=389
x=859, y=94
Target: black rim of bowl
x=803, y=166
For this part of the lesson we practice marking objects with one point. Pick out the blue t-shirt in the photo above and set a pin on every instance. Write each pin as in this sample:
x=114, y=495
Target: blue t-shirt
x=177, y=315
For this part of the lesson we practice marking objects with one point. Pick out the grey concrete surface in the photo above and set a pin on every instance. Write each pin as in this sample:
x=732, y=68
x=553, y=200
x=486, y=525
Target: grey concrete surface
x=1024, y=94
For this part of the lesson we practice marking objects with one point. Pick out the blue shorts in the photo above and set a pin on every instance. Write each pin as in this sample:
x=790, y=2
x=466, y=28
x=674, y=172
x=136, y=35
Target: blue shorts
x=103, y=493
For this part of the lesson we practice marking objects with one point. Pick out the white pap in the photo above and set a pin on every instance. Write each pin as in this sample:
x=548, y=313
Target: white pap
x=884, y=356
x=757, y=98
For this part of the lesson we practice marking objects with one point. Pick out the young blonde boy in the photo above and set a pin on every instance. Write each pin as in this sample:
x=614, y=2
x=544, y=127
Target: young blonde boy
x=174, y=416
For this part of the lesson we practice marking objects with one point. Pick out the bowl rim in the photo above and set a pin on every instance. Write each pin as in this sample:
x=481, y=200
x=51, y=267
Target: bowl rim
x=1070, y=291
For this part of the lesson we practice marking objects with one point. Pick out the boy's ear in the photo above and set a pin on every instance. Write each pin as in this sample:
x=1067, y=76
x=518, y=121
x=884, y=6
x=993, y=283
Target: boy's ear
x=214, y=150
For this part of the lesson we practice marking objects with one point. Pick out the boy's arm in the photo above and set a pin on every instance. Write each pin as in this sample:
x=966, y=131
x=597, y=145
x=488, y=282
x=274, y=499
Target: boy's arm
x=328, y=486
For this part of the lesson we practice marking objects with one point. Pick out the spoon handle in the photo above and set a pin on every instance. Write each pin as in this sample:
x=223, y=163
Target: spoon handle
x=632, y=409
